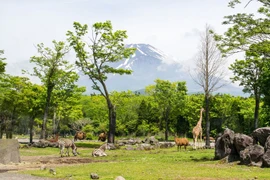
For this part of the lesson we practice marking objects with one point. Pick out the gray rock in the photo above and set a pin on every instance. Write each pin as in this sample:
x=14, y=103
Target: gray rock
x=94, y=176
x=111, y=146
x=266, y=159
x=252, y=155
x=166, y=144
x=43, y=167
x=224, y=146
x=9, y=151
x=129, y=147
x=119, y=178
x=260, y=135
x=150, y=140
x=52, y=171
x=241, y=141
x=267, y=144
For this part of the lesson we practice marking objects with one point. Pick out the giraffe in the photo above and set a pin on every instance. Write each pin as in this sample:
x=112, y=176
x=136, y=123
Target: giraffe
x=197, y=130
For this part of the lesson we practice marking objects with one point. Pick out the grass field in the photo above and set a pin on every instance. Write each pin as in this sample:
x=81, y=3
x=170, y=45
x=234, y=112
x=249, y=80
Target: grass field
x=159, y=164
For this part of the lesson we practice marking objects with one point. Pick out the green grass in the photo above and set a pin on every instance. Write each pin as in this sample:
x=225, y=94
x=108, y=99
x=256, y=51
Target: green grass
x=162, y=164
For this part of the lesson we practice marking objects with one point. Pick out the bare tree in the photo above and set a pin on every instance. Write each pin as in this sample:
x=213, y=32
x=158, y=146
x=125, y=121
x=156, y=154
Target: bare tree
x=209, y=72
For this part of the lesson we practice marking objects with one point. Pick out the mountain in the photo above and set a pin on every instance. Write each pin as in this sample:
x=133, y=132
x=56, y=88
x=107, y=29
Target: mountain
x=149, y=63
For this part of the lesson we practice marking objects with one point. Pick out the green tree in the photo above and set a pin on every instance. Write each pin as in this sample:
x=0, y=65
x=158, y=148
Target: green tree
x=2, y=63
x=12, y=104
x=106, y=47
x=249, y=34
x=66, y=105
x=53, y=71
x=249, y=73
x=166, y=94
x=34, y=101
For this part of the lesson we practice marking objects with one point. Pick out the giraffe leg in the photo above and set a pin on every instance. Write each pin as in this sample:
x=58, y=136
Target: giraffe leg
x=195, y=143
x=201, y=139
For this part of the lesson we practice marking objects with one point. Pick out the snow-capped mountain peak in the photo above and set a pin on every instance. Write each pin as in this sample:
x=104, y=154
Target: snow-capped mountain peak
x=146, y=54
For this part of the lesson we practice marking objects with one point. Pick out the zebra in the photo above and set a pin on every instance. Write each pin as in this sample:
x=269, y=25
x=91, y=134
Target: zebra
x=67, y=143
x=101, y=150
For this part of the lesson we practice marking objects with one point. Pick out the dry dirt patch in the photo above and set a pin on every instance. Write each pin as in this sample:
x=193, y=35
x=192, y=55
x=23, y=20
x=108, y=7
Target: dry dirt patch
x=36, y=162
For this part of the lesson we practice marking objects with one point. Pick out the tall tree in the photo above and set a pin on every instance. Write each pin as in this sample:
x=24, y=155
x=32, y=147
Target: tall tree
x=53, y=70
x=33, y=100
x=167, y=94
x=249, y=73
x=11, y=103
x=105, y=47
x=250, y=34
x=209, y=72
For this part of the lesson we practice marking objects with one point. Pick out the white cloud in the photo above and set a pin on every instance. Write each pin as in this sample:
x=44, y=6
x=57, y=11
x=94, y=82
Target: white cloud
x=170, y=26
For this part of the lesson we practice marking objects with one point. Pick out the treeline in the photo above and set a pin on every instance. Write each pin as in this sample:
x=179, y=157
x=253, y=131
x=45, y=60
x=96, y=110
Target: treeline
x=165, y=108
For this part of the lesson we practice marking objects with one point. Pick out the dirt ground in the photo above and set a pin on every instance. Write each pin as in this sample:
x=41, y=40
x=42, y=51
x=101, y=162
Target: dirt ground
x=38, y=162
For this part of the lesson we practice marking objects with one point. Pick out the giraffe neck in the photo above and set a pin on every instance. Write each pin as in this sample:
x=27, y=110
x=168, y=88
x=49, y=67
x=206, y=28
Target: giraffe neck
x=200, y=120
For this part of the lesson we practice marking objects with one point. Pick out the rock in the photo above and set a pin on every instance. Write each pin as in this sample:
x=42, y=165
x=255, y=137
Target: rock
x=111, y=146
x=260, y=135
x=266, y=159
x=224, y=146
x=267, y=144
x=9, y=151
x=129, y=147
x=150, y=140
x=145, y=146
x=43, y=167
x=166, y=144
x=241, y=141
x=119, y=178
x=52, y=171
x=94, y=176
x=252, y=155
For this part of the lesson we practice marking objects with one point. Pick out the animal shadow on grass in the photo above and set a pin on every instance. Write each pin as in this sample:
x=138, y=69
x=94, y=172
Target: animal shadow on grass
x=201, y=159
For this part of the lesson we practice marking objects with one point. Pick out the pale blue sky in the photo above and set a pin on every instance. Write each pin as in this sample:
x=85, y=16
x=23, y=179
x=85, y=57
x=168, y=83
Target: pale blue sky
x=169, y=25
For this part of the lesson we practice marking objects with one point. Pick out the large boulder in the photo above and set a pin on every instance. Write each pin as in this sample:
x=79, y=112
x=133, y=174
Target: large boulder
x=266, y=159
x=260, y=135
x=241, y=141
x=267, y=144
x=252, y=155
x=151, y=140
x=9, y=151
x=224, y=146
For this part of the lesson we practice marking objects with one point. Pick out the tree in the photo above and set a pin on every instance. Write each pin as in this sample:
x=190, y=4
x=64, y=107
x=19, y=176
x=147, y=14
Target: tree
x=250, y=35
x=209, y=72
x=249, y=73
x=2, y=63
x=11, y=104
x=53, y=71
x=33, y=100
x=166, y=94
x=106, y=47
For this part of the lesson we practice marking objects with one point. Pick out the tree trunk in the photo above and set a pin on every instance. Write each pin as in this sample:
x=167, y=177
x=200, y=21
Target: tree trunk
x=46, y=112
x=31, y=128
x=166, y=114
x=257, y=108
x=112, y=122
x=207, y=102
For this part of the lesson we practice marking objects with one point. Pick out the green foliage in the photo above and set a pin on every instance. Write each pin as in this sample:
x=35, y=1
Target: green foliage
x=167, y=96
x=94, y=59
x=55, y=73
x=2, y=63
x=107, y=47
x=249, y=33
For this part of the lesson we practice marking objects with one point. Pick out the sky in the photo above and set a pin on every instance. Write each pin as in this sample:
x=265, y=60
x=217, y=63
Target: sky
x=173, y=26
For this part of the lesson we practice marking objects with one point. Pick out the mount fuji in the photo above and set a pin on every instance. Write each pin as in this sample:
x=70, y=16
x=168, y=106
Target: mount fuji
x=148, y=64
